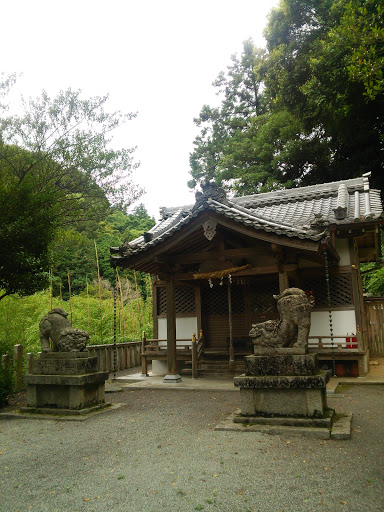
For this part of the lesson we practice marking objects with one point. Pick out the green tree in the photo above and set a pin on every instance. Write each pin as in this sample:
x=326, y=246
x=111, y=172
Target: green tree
x=27, y=226
x=137, y=223
x=308, y=75
x=314, y=119
x=222, y=149
x=362, y=25
x=56, y=168
x=74, y=249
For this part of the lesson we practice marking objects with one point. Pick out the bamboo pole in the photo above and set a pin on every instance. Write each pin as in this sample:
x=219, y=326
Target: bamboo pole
x=149, y=295
x=99, y=283
x=132, y=315
x=23, y=321
x=50, y=288
x=138, y=296
x=89, y=316
x=70, y=297
x=121, y=301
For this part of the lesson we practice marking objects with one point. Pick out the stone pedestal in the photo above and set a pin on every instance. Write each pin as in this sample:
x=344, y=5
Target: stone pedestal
x=278, y=386
x=65, y=383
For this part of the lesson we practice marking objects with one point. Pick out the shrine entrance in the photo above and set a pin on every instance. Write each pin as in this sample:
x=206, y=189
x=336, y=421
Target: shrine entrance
x=251, y=302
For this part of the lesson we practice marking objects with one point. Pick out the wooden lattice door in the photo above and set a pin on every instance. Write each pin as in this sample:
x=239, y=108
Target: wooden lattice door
x=252, y=302
x=215, y=315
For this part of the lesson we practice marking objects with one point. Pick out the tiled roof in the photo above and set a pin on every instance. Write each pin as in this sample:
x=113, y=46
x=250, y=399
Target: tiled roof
x=301, y=213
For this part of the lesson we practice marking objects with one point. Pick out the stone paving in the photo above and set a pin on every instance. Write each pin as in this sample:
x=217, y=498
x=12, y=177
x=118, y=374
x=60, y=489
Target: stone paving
x=132, y=379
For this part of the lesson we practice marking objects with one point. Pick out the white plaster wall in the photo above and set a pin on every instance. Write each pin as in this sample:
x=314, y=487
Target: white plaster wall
x=343, y=322
x=343, y=251
x=185, y=327
x=159, y=367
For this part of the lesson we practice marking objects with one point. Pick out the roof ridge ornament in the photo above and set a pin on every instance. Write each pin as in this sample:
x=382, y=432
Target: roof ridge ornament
x=210, y=190
x=318, y=221
x=341, y=211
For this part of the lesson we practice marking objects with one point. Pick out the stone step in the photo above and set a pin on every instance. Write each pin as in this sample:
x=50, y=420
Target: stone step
x=213, y=374
x=209, y=366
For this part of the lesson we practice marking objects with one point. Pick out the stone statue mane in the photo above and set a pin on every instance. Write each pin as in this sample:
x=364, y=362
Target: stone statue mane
x=292, y=329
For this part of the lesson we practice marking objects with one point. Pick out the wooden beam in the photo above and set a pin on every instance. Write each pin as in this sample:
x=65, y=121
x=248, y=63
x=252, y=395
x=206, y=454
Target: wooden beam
x=213, y=255
x=358, y=300
x=253, y=271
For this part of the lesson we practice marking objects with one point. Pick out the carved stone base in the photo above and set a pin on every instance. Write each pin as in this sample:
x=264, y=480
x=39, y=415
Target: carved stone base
x=62, y=382
x=282, y=386
x=282, y=402
x=64, y=363
x=262, y=351
x=290, y=364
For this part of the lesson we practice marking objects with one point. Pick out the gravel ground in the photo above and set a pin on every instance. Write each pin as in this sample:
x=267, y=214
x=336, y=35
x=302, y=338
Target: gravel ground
x=161, y=453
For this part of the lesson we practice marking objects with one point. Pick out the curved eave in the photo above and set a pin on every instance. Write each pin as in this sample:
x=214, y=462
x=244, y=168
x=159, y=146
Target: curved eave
x=143, y=258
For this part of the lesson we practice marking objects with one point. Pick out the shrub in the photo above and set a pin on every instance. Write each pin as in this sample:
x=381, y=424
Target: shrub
x=6, y=384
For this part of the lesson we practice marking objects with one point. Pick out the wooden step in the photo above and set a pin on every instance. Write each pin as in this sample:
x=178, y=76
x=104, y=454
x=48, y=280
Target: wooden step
x=216, y=368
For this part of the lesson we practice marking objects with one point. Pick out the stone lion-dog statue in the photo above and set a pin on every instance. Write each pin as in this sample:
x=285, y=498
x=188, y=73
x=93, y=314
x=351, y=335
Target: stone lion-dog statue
x=292, y=329
x=56, y=326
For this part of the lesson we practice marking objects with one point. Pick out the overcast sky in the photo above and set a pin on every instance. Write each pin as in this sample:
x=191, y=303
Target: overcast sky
x=158, y=58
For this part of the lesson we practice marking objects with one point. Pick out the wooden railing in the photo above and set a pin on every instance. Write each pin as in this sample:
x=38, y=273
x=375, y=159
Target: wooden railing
x=127, y=355
x=374, y=307
x=336, y=343
x=157, y=349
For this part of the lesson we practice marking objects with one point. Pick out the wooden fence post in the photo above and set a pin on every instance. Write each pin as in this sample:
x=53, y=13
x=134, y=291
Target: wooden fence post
x=194, y=357
x=144, y=364
x=107, y=360
x=18, y=366
x=29, y=363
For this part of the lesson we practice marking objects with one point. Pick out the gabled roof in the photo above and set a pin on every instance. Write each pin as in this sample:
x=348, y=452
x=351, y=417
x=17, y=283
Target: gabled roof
x=302, y=213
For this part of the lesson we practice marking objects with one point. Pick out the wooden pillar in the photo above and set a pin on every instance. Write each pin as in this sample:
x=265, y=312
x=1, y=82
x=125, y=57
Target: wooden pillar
x=154, y=311
x=198, y=307
x=172, y=375
x=231, y=349
x=358, y=299
x=283, y=279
